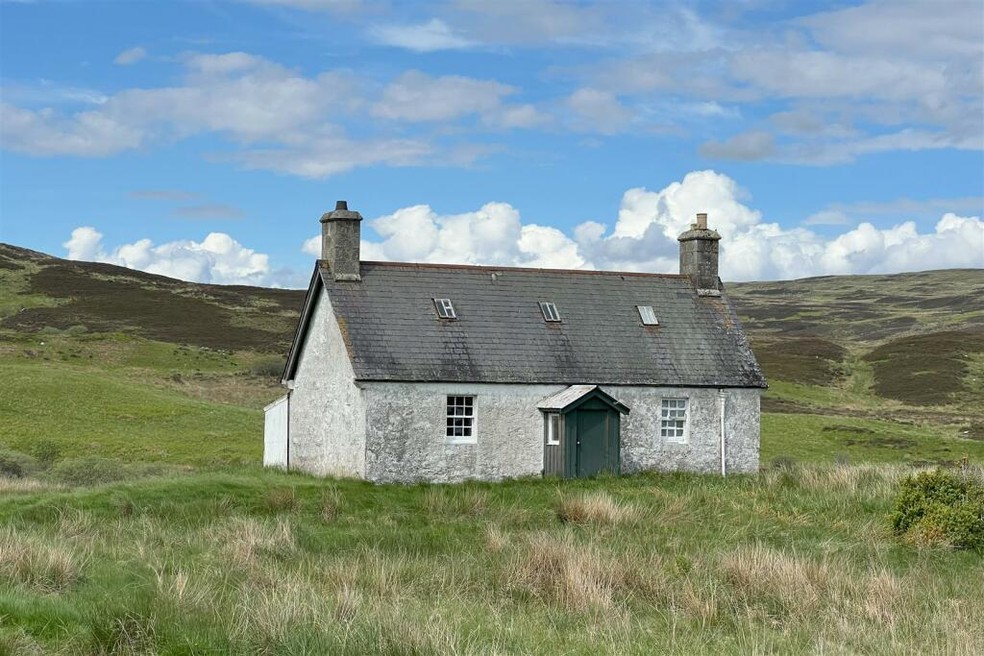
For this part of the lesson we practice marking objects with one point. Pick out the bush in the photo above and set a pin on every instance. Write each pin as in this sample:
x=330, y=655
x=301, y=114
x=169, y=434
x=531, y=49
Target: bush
x=16, y=465
x=940, y=507
x=46, y=451
x=272, y=367
x=90, y=470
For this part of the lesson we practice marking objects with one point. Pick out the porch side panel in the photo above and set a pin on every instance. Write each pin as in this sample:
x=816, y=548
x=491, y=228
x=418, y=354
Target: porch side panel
x=406, y=432
x=327, y=409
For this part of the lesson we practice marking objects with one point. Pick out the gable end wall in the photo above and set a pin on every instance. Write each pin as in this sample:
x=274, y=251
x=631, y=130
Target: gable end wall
x=327, y=409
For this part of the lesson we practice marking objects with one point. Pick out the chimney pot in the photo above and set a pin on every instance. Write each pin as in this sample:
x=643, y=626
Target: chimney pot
x=340, y=236
x=699, y=256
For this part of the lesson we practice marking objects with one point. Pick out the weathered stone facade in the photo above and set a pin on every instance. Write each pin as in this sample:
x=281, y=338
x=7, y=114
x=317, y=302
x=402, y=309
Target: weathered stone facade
x=405, y=432
x=327, y=425
x=395, y=432
x=642, y=448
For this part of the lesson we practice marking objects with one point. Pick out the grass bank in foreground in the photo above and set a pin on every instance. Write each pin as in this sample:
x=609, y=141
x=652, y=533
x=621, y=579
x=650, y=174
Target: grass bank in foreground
x=788, y=561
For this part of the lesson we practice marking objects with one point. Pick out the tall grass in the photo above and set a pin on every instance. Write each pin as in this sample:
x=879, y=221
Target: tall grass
x=793, y=561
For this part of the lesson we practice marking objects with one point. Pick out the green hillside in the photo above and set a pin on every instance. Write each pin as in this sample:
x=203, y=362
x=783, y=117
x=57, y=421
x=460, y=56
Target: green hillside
x=103, y=360
x=136, y=519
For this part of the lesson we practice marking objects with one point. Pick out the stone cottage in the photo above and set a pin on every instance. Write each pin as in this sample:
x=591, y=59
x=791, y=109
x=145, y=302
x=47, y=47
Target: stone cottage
x=431, y=372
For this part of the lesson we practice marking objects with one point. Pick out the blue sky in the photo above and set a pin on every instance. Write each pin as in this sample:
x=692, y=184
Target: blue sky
x=204, y=139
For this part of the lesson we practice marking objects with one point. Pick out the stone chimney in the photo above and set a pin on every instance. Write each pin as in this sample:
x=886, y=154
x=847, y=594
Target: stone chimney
x=699, y=256
x=341, y=232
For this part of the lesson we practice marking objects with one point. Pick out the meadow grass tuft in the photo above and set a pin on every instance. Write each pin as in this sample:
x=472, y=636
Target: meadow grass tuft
x=37, y=564
x=796, y=561
x=596, y=508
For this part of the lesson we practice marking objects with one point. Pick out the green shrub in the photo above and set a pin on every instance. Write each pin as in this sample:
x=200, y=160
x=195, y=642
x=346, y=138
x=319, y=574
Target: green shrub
x=93, y=470
x=90, y=470
x=940, y=507
x=16, y=465
x=46, y=451
x=272, y=367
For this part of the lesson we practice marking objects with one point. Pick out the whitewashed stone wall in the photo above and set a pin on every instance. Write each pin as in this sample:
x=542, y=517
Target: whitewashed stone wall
x=644, y=449
x=405, y=434
x=405, y=431
x=327, y=410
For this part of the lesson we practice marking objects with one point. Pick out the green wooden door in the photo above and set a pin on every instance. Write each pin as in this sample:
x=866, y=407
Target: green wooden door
x=594, y=452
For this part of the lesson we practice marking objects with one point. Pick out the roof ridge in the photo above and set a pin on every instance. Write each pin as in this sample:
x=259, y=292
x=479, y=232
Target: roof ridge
x=494, y=268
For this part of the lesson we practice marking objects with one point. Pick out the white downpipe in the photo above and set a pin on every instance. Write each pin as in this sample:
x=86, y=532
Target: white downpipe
x=721, y=403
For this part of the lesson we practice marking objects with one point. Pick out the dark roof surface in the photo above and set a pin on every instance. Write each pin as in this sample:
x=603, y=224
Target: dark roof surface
x=392, y=330
x=571, y=397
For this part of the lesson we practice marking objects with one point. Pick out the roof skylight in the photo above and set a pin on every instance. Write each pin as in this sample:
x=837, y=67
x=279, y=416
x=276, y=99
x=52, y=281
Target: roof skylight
x=550, y=312
x=647, y=315
x=445, y=309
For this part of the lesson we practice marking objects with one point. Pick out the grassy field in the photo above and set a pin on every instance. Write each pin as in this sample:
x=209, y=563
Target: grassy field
x=133, y=518
x=794, y=560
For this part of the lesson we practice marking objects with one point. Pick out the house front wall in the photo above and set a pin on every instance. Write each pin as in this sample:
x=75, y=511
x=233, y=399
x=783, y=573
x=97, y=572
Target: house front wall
x=644, y=449
x=406, y=431
x=327, y=410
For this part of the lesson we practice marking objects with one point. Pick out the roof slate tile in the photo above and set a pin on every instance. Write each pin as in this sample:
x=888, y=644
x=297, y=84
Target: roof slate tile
x=500, y=336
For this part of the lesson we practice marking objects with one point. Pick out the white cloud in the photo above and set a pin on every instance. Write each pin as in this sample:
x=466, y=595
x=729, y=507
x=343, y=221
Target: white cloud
x=911, y=207
x=218, y=258
x=490, y=235
x=745, y=146
x=942, y=27
x=323, y=156
x=431, y=36
x=416, y=96
x=827, y=217
x=957, y=242
x=130, y=56
x=86, y=134
x=883, y=76
x=278, y=119
x=645, y=232
x=244, y=96
x=816, y=74
x=599, y=111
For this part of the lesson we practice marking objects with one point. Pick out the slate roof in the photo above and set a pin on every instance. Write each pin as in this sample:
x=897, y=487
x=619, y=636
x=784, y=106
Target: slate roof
x=392, y=331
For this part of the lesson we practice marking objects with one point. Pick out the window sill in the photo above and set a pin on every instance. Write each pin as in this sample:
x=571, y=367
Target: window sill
x=459, y=442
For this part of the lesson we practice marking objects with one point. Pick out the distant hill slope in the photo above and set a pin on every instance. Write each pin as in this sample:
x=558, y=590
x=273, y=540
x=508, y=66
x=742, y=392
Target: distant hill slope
x=43, y=291
x=866, y=309
x=917, y=338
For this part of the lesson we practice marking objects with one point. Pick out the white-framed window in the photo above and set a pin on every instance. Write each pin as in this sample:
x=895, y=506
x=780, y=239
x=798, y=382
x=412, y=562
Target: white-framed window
x=673, y=425
x=445, y=309
x=461, y=419
x=549, y=311
x=648, y=315
x=553, y=428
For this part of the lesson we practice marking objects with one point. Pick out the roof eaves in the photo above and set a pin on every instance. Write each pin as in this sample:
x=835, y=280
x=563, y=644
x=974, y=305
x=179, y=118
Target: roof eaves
x=302, y=325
